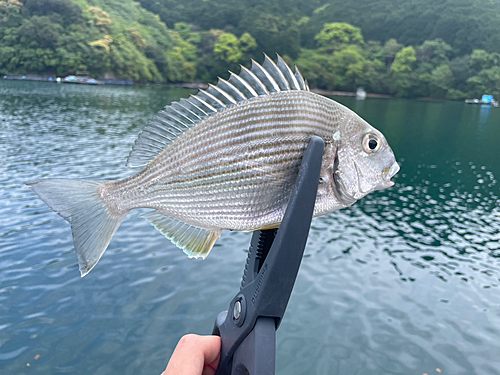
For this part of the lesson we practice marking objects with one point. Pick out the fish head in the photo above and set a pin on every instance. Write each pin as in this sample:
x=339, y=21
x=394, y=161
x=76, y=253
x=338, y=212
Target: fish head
x=364, y=161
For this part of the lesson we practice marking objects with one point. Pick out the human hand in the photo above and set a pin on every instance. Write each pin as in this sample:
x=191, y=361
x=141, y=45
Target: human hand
x=195, y=355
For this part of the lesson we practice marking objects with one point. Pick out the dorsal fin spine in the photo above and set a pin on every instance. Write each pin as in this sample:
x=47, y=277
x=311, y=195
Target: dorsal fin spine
x=185, y=112
x=179, y=116
x=234, y=90
x=255, y=79
x=169, y=133
x=216, y=94
x=260, y=70
x=212, y=98
x=198, y=112
x=161, y=134
x=277, y=72
x=285, y=69
x=300, y=79
x=202, y=102
x=164, y=133
x=154, y=143
x=194, y=108
x=223, y=93
x=182, y=104
x=244, y=83
x=172, y=121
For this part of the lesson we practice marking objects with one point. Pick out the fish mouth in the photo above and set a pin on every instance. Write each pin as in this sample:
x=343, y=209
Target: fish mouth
x=387, y=174
x=339, y=188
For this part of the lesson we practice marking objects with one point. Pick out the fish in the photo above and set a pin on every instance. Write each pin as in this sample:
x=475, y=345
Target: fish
x=227, y=159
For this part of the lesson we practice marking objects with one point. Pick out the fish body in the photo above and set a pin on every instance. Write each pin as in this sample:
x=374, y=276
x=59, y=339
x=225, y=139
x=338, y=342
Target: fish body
x=236, y=169
x=227, y=158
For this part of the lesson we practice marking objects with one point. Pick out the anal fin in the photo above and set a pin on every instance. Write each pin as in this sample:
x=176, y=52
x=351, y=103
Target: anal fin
x=195, y=242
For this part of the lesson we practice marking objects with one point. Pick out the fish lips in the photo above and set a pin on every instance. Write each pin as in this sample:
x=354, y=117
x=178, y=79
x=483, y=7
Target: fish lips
x=387, y=174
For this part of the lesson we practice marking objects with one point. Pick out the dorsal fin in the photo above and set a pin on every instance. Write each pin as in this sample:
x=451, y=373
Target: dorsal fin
x=274, y=72
x=302, y=82
x=177, y=118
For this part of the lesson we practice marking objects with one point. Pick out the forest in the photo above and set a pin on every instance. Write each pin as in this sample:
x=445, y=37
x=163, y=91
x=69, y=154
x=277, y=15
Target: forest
x=420, y=48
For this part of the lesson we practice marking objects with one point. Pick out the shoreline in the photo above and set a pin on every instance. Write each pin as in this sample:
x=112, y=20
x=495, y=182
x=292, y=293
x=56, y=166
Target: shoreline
x=201, y=85
x=193, y=86
x=348, y=93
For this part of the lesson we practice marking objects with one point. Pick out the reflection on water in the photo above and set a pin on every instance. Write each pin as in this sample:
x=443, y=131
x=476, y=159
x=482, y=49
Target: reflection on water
x=403, y=282
x=484, y=114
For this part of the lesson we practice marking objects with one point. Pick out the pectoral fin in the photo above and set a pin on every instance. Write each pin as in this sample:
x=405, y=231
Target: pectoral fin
x=195, y=242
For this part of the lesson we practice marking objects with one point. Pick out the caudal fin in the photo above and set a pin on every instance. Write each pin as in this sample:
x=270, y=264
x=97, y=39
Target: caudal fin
x=92, y=223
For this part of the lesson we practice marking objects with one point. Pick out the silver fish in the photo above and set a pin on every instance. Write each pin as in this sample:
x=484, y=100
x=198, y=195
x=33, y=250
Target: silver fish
x=227, y=158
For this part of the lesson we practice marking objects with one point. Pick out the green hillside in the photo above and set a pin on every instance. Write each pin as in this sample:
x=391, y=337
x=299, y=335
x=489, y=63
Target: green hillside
x=116, y=37
x=463, y=24
x=413, y=48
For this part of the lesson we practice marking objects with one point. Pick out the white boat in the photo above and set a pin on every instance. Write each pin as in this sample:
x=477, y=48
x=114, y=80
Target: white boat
x=360, y=93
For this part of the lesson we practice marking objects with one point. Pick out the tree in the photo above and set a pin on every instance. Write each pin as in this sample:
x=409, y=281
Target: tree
x=480, y=59
x=10, y=14
x=101, y=18
x=67, y=11
x=232, y=50
x=391, y=48
x=179, y=70
x=442, y=80
x=349, y=66
x=273, y=33
x=434, y=51
x=335, y=36
x=42, y=30
x=313, y=22
x=454, y=52
x=187, y=33
x=462, y=70
x=401, y=69
x=247, y=43
x=316, y=68
x=487, y=81
x=102, y=44
x=228, y=49
x=404, y=60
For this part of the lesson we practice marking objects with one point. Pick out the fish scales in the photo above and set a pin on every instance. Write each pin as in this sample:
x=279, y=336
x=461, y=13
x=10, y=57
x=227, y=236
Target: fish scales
x=222, y=129
x=227, y=158
x=213, y=155
x=291, y=117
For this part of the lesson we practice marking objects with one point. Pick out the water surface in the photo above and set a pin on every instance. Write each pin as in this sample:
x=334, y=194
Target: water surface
x=403, y=282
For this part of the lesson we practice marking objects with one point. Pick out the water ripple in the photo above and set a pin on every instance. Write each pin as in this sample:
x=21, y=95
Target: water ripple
x=404, y=281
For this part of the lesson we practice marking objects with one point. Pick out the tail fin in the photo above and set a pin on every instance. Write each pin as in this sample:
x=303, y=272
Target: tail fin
x=92, y=223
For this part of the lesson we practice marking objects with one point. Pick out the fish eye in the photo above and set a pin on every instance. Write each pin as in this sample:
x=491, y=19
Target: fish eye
x=371, y=143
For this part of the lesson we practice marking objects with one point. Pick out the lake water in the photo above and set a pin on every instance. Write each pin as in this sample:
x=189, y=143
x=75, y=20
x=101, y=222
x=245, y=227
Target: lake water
x=406, y=281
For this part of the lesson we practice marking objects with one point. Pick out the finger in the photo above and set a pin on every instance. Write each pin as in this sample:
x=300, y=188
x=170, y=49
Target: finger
x=192, y=353
x=210, y=368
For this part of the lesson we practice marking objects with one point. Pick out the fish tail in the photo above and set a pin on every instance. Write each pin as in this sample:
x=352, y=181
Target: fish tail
x=93, y=223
